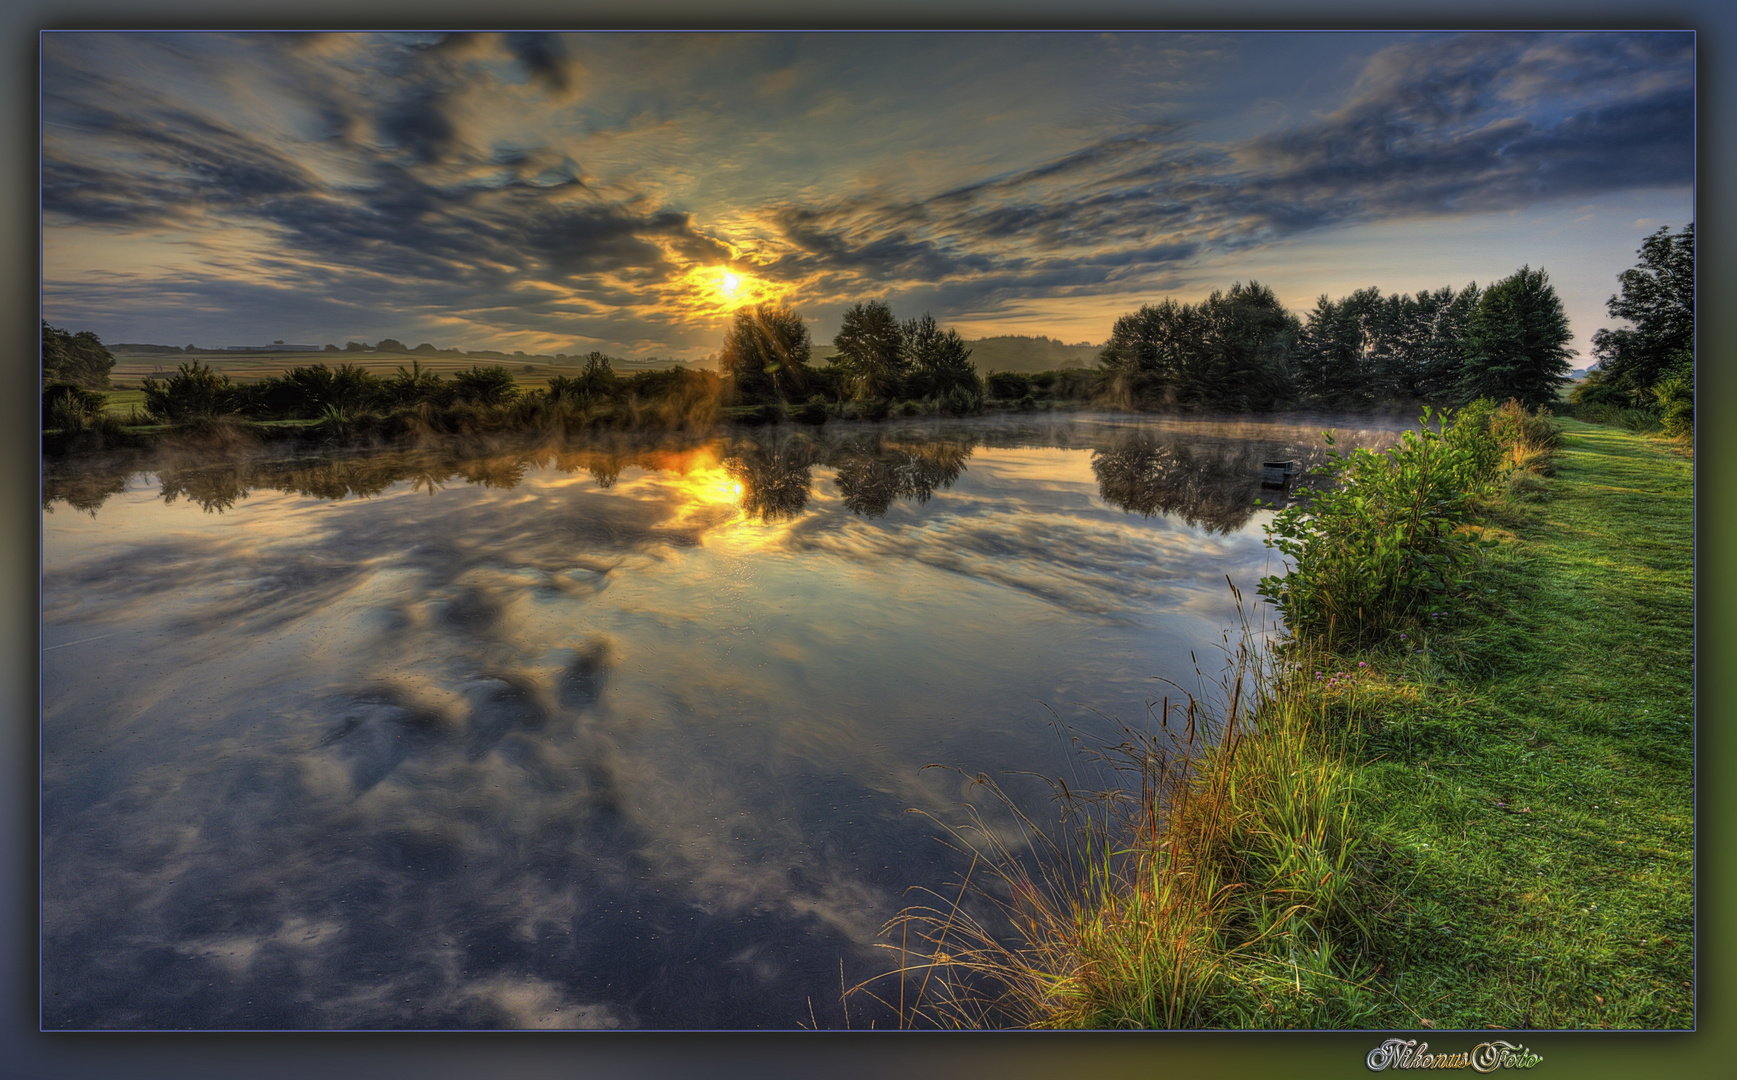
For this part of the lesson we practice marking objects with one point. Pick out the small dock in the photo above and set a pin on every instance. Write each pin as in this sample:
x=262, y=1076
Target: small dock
x=1278, y=473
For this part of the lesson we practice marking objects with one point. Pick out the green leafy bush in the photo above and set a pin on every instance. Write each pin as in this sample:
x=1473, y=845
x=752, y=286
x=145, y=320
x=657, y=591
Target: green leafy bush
x=413, y=384
x=194, y=392
x=485, y=385
x=1385, y=542
x=1009, y=385
x=1676, y=400
x=71, y=408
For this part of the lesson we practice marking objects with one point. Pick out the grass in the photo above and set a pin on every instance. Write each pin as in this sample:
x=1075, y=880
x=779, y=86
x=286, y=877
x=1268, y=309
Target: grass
x=1536, y=787
x=1482, y=825
x=123, y=403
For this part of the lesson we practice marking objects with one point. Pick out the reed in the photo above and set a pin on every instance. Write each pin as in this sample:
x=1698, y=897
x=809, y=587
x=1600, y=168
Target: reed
x=1214, y=876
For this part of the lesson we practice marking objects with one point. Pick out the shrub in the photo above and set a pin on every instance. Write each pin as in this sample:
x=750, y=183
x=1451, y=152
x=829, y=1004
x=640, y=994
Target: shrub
x=1528, y=439
x=485, y=385
x=71, y=408
x=414, y=384
x=1385, y=541
x=1676, y=401
x=813, y=411
x=1009, y=385
x=960, y=401
x=1477, y=454
x=310, y=391
x=193, y=392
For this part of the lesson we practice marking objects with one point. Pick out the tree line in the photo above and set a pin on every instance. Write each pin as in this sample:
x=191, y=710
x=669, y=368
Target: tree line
x=1650, y=364
x=1236, y=351
x=767, y=355
x=1241, y=351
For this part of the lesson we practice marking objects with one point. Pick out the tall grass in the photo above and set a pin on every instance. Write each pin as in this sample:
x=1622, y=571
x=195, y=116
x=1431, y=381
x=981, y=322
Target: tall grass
x=1213, y=879
x=1220, y=873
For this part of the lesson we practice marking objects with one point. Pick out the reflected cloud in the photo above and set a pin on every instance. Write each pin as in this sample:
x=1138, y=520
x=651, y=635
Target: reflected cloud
x=438, y=740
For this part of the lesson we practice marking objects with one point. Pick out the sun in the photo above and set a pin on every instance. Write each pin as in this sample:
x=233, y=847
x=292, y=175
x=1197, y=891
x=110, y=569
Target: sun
x=723, y=290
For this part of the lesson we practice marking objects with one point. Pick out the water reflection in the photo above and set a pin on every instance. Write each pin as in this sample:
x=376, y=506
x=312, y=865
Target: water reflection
x=1209, y=480
x=873, y=472
x=1207, y=475
x=774, y=474
x=607, y=734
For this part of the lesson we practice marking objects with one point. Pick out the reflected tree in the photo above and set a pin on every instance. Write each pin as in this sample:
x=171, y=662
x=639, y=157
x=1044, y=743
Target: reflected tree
x=870, y=475
x=214, y=489
x=775, y=477
x=1211, y=483
x=85, y=490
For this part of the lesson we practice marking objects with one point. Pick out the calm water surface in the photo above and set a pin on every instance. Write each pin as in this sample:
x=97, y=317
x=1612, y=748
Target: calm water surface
x=599, y=735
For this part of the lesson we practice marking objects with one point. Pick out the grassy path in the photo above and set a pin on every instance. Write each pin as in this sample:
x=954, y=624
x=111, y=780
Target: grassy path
x=1535, y=778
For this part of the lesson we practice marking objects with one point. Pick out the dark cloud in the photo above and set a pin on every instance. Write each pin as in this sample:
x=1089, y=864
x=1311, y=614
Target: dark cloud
x=545, y=59
x=395, y=183
x=1451, y=125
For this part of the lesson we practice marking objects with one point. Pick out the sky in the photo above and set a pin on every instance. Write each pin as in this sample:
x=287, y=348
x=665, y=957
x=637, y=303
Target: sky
x=628, y=192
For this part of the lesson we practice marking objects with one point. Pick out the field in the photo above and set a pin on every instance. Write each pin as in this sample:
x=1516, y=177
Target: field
x=131, y=369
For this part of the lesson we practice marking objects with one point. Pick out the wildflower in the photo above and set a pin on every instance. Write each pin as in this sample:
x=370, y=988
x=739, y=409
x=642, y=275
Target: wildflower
x=1402, y=637
x=1362, y=663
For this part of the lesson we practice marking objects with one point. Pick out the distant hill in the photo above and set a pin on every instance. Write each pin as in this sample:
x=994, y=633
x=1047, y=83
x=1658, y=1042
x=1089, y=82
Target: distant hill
x=1016, y=353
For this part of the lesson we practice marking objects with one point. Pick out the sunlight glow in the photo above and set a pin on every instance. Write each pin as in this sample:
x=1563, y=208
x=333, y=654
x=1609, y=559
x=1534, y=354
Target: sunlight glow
x=719, y=291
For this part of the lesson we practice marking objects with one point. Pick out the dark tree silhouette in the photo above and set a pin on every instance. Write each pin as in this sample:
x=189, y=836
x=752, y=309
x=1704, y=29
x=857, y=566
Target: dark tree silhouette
x=80, y=359
x=939, y=361
x=1658, y=297
x=765, y=355
x=871, y=349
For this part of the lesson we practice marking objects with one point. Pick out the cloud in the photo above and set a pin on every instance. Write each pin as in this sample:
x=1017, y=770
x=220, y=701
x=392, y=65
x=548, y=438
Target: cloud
x=545, y=187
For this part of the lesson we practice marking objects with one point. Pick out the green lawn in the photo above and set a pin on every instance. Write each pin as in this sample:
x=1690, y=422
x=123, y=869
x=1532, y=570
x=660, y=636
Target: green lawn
x=121, y=403
x=1534, y=783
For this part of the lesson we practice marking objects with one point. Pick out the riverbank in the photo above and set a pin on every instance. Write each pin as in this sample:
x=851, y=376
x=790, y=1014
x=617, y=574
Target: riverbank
x=1534, y=777
x=1482, y=818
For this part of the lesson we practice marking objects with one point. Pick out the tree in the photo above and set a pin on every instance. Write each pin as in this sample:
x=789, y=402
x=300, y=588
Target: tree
x=765, y=355
x=1658, y=297
x=392, y=345
x=1517, y=342
x=1231, y=352
x=871, y=349
x=1249, y=338
x=939, y=361
x=1364, y=348
x=79, y=358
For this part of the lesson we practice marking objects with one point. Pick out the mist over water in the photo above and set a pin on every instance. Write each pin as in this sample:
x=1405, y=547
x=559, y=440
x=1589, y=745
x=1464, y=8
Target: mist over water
x=605, y=735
